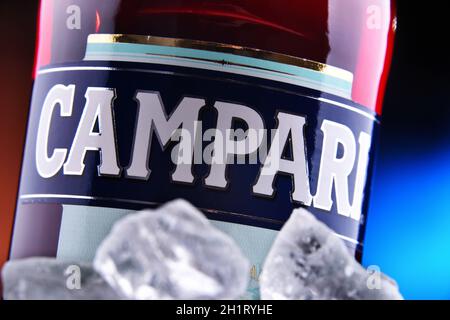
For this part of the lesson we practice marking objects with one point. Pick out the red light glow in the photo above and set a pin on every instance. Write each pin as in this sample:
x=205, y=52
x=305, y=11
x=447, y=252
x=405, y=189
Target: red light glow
x=97, y=21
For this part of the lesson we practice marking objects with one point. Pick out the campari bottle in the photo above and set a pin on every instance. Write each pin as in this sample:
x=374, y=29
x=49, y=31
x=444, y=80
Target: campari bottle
x=138, y=102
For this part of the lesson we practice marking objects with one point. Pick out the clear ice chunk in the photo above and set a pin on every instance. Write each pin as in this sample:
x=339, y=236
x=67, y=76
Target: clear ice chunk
x=309, y=262
x=171, y=253
x=50, y=279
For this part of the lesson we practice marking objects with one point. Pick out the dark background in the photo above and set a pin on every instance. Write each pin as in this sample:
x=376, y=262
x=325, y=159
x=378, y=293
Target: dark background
x=408, y=233
x=17, y=43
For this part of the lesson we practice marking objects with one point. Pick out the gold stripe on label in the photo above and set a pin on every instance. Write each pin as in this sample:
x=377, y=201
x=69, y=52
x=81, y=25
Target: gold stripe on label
x=224, y=48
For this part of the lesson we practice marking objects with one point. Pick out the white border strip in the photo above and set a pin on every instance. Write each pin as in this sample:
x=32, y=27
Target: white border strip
x=346, y=106
x=78, y=197
x=64, y=69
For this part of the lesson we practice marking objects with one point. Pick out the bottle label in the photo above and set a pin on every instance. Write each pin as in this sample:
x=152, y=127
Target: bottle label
x=245, y=135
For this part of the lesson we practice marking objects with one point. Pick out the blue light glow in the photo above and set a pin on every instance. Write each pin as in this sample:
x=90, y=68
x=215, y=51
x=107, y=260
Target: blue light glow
x=408, y=231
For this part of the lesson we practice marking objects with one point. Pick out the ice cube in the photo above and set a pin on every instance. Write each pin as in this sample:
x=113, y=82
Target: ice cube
x=48, y=279
x=308, y=261
x=171, y=253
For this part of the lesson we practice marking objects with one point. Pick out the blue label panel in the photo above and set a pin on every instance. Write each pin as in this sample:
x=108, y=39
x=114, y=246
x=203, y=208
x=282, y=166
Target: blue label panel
x=237, y=203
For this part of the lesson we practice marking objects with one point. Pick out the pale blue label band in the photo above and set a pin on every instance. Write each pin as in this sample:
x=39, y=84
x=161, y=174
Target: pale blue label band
x=220, y=61
x=83, y=228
